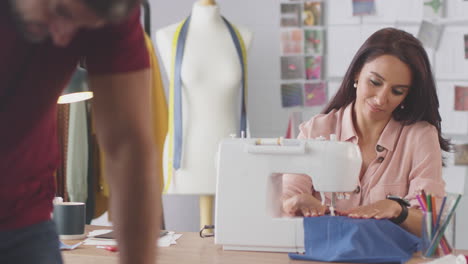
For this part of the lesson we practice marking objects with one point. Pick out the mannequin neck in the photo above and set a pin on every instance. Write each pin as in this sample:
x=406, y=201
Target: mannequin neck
x=207, y=2
x=204, y=14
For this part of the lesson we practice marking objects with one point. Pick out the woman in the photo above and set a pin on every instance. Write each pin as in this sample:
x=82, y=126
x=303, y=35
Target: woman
x=388, y=106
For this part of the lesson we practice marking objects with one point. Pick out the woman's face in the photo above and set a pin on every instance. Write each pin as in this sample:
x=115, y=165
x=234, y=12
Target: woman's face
x=382, y=85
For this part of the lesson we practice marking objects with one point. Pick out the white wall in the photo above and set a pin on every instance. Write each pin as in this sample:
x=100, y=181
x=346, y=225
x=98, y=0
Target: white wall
x=345, y=34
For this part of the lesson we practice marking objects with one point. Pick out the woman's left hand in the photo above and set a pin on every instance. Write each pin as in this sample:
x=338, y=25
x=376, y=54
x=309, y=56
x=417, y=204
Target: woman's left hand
x=382, y=209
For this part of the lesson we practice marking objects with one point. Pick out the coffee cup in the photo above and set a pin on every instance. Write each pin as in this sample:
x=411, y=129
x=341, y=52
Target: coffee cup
x=70, y=218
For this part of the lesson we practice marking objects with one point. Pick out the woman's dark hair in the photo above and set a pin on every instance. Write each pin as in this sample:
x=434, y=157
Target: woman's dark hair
x=112, y=10
x=421, y=103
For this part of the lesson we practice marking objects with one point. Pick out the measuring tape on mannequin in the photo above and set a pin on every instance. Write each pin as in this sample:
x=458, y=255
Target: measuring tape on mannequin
x=175, y=93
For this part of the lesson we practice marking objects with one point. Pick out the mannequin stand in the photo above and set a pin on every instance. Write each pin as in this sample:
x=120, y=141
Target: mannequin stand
x=206, y=211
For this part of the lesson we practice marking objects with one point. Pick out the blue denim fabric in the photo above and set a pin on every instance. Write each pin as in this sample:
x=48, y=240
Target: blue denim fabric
x=35, y=244
x=342, y=239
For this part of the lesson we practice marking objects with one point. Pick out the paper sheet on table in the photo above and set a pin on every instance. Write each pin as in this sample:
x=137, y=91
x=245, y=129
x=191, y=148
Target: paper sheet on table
x=169, y=239
x=94, y=233
x=449, y=259
x=64, y=246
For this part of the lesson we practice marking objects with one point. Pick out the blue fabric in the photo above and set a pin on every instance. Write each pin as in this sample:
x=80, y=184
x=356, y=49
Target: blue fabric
x=38, y=244
x=178, y=94
x=343, y=239
x=243, y=122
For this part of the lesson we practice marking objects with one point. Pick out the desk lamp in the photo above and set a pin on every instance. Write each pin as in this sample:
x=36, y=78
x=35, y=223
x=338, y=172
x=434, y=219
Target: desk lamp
x=77, y=90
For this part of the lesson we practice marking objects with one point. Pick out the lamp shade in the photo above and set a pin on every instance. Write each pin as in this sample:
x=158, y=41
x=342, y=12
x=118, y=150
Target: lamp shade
x=77, y=90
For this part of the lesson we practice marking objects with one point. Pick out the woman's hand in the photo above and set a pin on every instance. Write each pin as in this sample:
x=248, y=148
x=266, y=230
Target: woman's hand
x=382, y=209
x=304, y=205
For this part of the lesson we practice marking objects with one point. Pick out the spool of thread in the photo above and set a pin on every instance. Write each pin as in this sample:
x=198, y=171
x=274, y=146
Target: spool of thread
x=268, y=141
x=277, y=142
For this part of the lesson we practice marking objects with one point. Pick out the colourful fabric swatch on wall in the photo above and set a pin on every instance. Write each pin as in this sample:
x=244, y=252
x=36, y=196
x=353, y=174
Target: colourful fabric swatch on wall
x=433, y=8
x=466, y=46
x=313, y=67
x=461, y=98
x=313, y=41
x=292, y=67
x=290, y=15
x=291, y=94
x=312, y=13
x=461, y=154
x=363, y=7
x=291, y=41
x=315, y=94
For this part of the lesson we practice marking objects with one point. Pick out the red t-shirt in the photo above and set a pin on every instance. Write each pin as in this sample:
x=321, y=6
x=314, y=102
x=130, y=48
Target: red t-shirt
x=32, y=77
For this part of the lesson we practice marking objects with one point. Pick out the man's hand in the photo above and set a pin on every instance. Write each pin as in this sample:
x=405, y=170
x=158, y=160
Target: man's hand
x=382, y=209
x=304, y=204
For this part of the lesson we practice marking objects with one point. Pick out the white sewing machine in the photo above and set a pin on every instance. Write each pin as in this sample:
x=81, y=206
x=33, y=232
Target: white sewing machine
x=249, y=185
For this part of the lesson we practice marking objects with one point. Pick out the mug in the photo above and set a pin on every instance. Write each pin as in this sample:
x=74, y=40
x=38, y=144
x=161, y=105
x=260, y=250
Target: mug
x=70, y=218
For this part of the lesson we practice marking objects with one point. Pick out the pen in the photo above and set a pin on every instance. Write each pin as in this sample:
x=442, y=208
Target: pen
x=424, y=199
x=445, y=245
x=429, y=215
x=423, y=193
x=429, y=203
x=423, y=206
x=441, y=211
x=434, y=213
x=109, y=248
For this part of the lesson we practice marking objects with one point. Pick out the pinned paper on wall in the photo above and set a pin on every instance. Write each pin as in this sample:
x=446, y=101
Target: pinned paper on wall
x=315, y=94
x=466, y=44
x=290, y=15
x=433, y=8
x=312, y=14
x=291, y=94
x=292, y=67
x=461, y=154
x=313, y=41
x=429, y=34
x=291, y=41
x=363, y=7
x=313, y=67
x=461, y=98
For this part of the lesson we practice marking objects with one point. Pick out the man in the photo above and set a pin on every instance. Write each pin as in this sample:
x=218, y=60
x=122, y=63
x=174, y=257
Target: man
x=41, y=42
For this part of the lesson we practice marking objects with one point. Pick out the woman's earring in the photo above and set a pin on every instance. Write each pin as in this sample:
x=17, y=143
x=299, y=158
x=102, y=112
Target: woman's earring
x=402, y=106
x=355, y=84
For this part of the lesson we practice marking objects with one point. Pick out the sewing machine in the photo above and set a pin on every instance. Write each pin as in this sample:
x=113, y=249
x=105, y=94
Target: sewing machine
x=248, y=212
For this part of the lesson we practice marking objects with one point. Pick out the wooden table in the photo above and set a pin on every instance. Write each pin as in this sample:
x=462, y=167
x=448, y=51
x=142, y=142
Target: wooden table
x=190, y=248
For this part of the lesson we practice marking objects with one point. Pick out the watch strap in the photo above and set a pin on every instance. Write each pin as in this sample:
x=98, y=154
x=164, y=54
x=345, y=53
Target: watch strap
x=402, y=216
x=404, y=209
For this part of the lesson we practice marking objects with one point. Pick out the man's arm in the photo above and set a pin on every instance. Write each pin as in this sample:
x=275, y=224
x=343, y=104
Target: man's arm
x=122, y=116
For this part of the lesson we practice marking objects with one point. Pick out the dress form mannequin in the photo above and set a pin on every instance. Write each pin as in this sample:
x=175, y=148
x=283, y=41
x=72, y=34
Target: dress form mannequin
x=211, y=86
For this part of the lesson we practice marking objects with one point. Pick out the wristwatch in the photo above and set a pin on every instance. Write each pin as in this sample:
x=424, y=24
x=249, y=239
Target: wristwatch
x=404, y=209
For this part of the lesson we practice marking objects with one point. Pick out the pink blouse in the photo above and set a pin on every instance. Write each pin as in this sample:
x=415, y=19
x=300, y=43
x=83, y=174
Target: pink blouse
x=409, y=160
